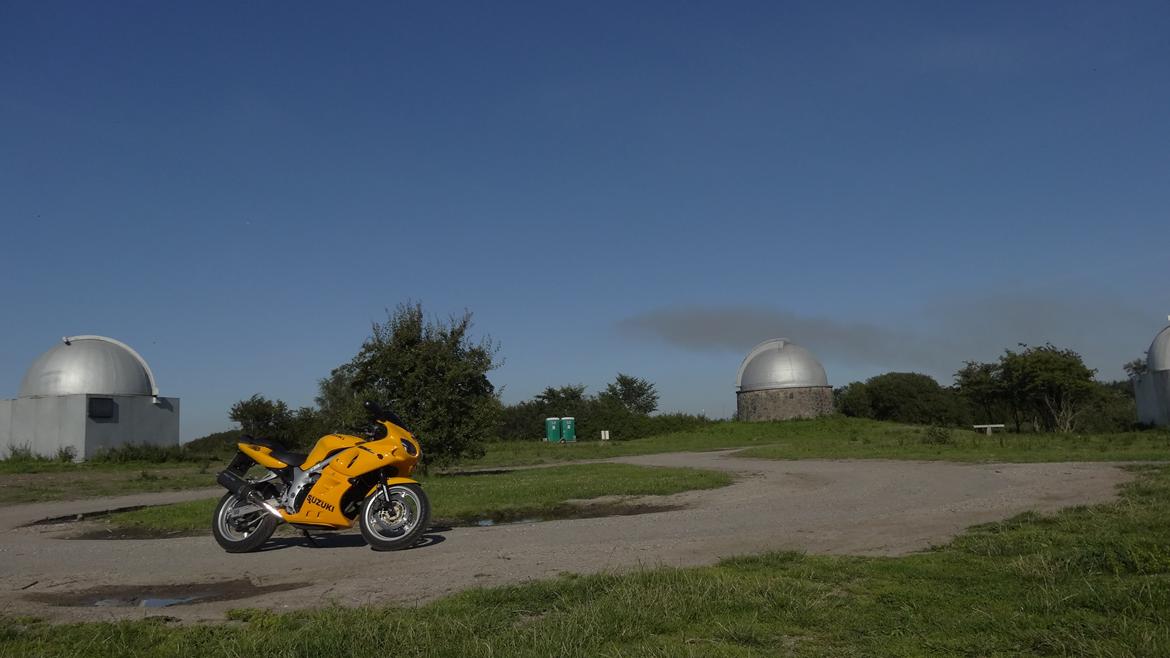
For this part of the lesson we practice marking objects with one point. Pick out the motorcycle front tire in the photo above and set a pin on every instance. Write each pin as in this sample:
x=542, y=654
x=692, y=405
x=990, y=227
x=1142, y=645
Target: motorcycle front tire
x=411, y=500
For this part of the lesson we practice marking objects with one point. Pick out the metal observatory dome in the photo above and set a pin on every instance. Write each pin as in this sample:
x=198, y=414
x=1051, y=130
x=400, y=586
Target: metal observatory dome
x=778, y=363
x=781, y=381
x=93, y=365
x=1151, y=388
x=1158, y=358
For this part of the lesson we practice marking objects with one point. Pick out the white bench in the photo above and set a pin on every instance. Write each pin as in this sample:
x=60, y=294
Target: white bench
x=987, y=428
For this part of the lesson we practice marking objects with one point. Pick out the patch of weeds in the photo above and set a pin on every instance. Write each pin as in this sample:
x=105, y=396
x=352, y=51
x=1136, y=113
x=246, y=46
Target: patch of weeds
x=148, y=453
x=936, y=435
x=249, y=615
x=23, y=453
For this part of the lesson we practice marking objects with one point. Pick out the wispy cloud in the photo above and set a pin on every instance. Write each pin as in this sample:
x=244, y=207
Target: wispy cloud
x=936, y=339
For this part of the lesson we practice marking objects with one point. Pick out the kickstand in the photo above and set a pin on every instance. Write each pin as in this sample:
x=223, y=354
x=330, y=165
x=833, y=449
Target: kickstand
x=312, y=541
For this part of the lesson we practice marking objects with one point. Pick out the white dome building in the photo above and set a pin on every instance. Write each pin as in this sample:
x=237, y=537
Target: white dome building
x=88, y=394
x=779, y=380
x=1152, y=387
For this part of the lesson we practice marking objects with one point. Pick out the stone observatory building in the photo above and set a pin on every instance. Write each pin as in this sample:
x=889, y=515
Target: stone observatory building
x=1152, y=387
x=85, y=395
x=780, y=381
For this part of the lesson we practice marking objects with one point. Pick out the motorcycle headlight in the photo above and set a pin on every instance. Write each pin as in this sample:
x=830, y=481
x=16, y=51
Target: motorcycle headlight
x=410, y=447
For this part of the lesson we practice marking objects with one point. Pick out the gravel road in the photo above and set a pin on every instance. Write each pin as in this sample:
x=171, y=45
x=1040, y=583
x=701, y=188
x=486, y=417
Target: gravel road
x=857, y=507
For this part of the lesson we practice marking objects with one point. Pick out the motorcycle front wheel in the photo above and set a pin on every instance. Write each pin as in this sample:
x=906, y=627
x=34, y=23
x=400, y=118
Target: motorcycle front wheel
x=395, y=522
x=240, y=526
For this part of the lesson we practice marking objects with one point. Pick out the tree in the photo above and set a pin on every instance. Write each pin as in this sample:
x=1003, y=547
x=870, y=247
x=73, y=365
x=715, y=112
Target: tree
x=637, y=395
x=1136, y=368
x=562, y=397
x=340, y=401
x=1013, y=382
x=260, y=416
x=430, y=372
x=1057, y=383
x=853, y=400
x=980, y=383
x=911, y=397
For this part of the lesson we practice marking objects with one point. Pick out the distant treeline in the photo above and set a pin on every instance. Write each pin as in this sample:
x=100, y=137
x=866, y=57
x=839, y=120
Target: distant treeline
x=623, y=408
x=1036, y=389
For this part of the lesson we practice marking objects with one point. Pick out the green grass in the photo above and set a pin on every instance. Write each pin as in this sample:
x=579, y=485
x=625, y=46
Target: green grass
x=838, y=437
x=531, y=493
x=912, y=442
x=1086, y=581
x=29, y=480
x=49, y=481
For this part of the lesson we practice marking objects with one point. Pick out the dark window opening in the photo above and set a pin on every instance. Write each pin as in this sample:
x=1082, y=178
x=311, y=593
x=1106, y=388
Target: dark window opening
x=101, y=407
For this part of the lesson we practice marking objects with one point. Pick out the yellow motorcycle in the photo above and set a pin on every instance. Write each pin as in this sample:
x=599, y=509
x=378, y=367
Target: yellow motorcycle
x=344, y=478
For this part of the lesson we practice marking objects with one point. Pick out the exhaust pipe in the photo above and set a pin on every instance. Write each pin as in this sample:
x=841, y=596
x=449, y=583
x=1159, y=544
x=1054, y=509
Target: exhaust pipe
x=244, y=489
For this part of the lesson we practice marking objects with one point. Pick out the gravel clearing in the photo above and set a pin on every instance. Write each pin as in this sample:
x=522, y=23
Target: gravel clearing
x=857, y=507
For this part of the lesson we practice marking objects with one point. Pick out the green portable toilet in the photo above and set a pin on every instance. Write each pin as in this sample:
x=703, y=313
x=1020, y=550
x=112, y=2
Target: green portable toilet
x=568, y=429
x=552, y=430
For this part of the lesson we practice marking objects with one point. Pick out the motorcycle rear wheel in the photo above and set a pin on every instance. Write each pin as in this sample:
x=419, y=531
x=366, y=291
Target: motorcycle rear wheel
x=240, y=533
x=395, y=523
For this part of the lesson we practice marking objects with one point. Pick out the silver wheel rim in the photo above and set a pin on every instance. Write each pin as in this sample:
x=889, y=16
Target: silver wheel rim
x=239, y=519
x=396, y=517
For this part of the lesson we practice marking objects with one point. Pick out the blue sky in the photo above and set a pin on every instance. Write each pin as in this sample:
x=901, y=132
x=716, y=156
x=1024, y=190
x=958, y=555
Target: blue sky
x=239, y=189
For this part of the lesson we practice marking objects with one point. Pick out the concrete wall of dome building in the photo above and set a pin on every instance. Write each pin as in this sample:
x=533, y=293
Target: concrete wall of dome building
x=50, y=424
x=132, y=419
x=5, y=426
x=1152, y=391
x=784, y=403
x=44, y=425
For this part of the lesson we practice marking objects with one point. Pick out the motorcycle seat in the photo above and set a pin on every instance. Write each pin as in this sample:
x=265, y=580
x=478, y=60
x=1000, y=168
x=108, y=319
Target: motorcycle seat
x=278, y=450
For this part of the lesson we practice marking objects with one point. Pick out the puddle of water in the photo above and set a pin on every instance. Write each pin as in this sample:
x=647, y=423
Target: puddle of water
x=162, y=603
x=158, y=596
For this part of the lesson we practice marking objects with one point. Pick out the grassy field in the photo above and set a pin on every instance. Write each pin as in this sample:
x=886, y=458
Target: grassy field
x=30, y=482
x=1086, y=581
x=830, y=438
x=533, y=493
x=839, y=437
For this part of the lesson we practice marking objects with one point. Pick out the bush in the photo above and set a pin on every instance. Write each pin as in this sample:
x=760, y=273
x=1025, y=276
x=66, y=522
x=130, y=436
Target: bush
x=935, y=435
x=142, y=452
x=904, y=397
x=20, y=454
x=219, y=444
x=24, y=454
x=853, y=400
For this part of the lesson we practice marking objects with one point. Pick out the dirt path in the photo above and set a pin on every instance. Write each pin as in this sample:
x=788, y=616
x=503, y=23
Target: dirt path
x=855, y=507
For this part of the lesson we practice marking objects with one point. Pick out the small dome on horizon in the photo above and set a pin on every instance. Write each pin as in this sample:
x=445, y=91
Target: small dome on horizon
x=779, y=363
x=89, y=364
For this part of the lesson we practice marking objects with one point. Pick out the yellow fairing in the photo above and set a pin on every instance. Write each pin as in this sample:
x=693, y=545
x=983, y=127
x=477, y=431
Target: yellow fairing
x=328, y=444
x=261, y=454
x=322, y=506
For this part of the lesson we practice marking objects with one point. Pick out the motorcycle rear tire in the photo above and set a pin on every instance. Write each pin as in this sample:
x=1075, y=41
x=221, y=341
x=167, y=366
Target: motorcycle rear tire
x=376, y=539
x=252, y=540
